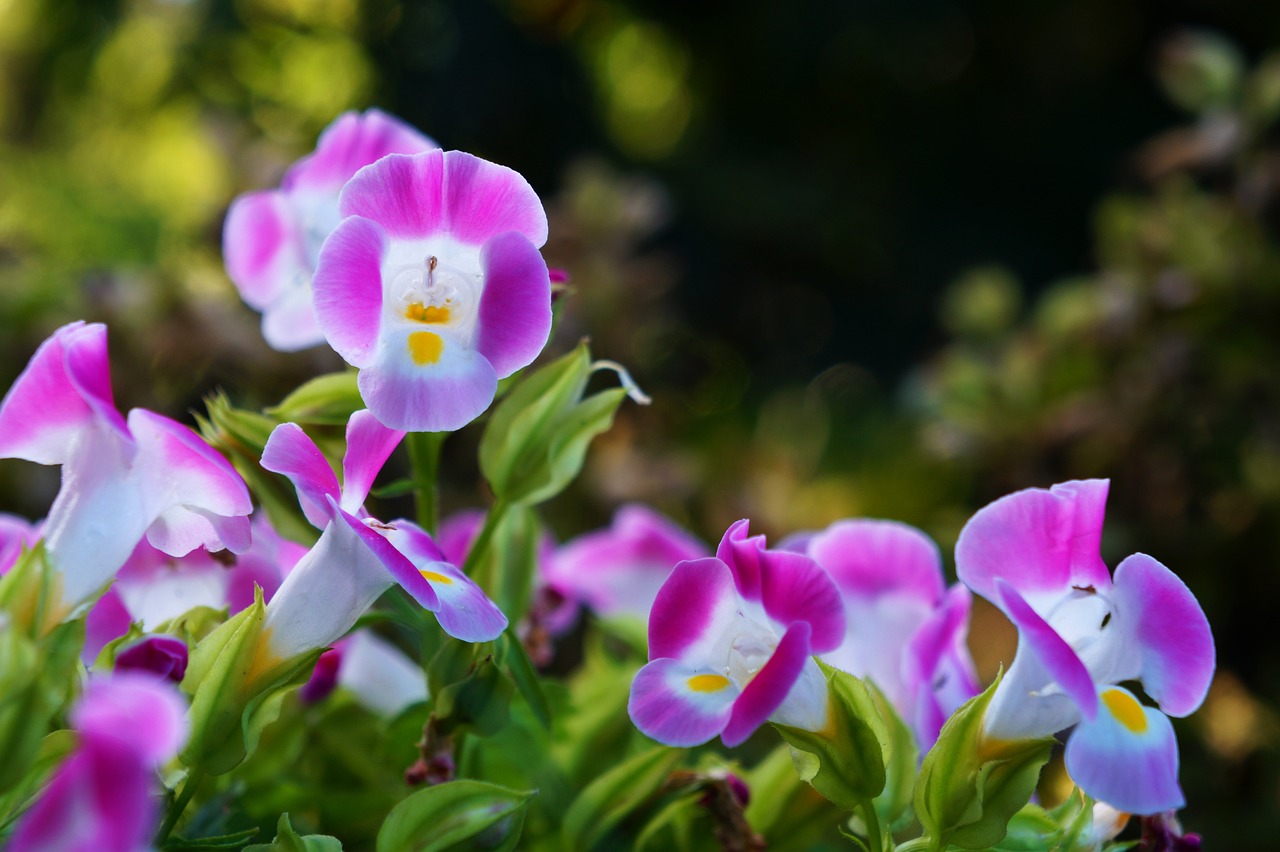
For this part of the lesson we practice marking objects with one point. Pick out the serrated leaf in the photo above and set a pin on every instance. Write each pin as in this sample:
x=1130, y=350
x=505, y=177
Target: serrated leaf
x=615, y=794
x=447, y=814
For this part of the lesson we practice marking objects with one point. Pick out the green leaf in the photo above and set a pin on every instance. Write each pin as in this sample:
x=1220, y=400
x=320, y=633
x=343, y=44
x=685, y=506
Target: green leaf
x=969, y=787
x=615, y=794
x=447, y=814
x=1031, y=830
x=328, y=400
x=507, y=566
x=901, y=758
x=222, y=841
x=846, y=761
x=479, y=703
x=512, y=656
x=288, y=840
x=53, y=749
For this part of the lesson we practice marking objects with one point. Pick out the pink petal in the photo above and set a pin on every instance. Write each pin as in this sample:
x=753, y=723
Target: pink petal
x=136, y=710
x=396, y=563
x=262, y=248
x=108, y=619
x=770, y=687
x=369, y=444
x=464, y=611
x=515, y=307
x=1050, y=649
x=692, y=610
x=868, y=558
x=64, y=390
x=198, y=498
x=439, y=396
x=1133, y=770
x=1161, y=616
x=289, y=324
x=351, y=142
x=450, y=193
x=1037, y=540
x=742, y=553
x=15, y=534
x=291, y=452
x=794, y=589
x=347, y=289
x=666, y=706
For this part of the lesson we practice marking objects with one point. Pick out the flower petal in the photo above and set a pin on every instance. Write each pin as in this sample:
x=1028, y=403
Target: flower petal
x=515, y=307
x=64, y=390
x=770, y=687
x=369, y=444
x=679, y=704
x=425, y=382
x=347, y=289
x=1127, y=756
x=742, y=553
x=464, y=611
x=352, y=141
x=290, y=323
x=692, y=610
x=262, y=248
x=1163, y=619
x=137, y=710
x=379, y=674
x=795, y=589
x=289, y=451
x=1051, y=650
x=869, y=557
x=438, y=192
x=1036, y=540
x=397, y=564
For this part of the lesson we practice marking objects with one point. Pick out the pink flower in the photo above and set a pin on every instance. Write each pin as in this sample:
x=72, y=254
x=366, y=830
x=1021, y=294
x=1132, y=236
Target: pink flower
x=906, y=631
x=358, y=557
x=432, y=285
x=618, y=571
x=15, y=534
x=272, y=239
x=103, y=798
x=121, y=479
x=730, y=639
x=1081, y=632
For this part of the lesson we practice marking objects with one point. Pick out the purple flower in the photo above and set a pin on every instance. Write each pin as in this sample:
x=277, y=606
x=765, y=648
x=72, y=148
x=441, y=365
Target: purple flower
x=618, y=571
x=433, y=285
x=376, y=673
x=272, y=239
x=162, y=656
x=121, y=479
x=103, y=798
x=1035, y=555
x=15, y=535
x=906, y=631
x=358, y=557
x=730, y=644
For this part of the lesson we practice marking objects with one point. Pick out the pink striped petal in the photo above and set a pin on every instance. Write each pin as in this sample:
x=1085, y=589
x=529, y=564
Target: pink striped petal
x=401, y=569
x=795, y=589
x=369, y=444
x=347, y=289
x=198, y=498
x=515, y=307
x=680, y=705
x=1037, y=540
x=868, y=558
x=693, y=609
x=64, y=390
x=450, y=193
x=1050, y=649
x=1163, y=619
x=291, y=452
x=352, y=141
x=742, y=553
x=770, y=687
x=1127, y=756
x=440, y=395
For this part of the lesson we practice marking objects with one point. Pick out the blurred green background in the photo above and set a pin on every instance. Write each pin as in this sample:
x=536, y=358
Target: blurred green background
x=890, y=258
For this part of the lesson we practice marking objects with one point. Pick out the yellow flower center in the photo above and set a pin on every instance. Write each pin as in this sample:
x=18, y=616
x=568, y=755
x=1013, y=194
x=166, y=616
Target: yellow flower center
x=432, y=314
x=1126, y=709
x=425, y=347
x=433, y=577
x=708, y=682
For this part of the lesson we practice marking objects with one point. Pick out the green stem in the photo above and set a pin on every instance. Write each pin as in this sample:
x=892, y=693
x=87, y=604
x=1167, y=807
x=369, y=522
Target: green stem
x=194, y=777
x=920, y=844
x=874, y=836
x=480, y=547
x=424, y=464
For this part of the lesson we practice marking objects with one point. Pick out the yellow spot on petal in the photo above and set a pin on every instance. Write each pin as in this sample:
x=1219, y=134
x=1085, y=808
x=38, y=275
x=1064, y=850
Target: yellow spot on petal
x=433, y=577
x=1126, y=709
x=427, y=313
x=708, y=682
x=425, y=347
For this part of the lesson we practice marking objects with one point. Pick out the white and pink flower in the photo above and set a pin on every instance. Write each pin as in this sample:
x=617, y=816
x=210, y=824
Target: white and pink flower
x=121, y=478
x=731, y=639
x=1081, y=632
x=433, y=286
x=271, y=240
